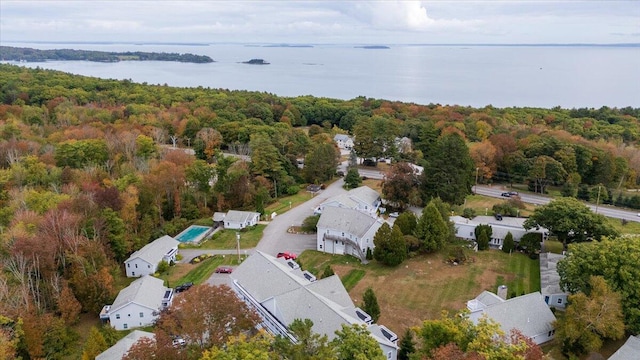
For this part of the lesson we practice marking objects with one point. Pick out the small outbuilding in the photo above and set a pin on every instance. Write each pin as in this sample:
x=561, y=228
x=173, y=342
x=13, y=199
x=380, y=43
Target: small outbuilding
x=238, y=220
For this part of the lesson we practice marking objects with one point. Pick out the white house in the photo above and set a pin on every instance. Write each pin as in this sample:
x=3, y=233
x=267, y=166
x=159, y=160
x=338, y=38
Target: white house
x=235, y=219
x=363, y=199
x=629, y=351
x=346, y=231
x=139, y=304
x=527, y=313
x=120, y=349
x=343, y=141
x=550, y=280
x=145, y=261
x=281, y=293
x=465, y=228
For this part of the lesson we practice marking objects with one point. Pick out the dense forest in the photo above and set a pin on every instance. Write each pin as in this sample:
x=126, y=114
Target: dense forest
x=92, y=169
x=9, y=53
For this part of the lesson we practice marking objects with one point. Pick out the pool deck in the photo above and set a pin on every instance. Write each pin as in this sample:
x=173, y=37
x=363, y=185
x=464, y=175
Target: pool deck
x=197, y=239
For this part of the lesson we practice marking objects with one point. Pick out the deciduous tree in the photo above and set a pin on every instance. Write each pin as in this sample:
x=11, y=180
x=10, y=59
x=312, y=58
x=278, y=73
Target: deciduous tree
x=400, y=186
x=354, y=342
x=589, y=319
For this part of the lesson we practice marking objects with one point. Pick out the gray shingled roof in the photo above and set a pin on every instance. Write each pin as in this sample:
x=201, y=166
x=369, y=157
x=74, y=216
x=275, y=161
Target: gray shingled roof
x=549, y=277
x=147, y=291
x=342, y=137
x=528, y=313
x=120, y=349
x=218, y=216
x=290, y=296
x=347, y=220
x=154, y=251
x=240, y=216
x=629, y=351
x=350, y=199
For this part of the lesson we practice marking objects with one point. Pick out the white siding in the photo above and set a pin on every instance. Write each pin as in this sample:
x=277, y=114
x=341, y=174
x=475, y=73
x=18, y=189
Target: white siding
x=128, y=317
x=138, y=267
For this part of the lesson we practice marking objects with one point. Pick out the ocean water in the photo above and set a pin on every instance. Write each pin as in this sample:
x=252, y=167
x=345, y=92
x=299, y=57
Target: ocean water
x=502, y=76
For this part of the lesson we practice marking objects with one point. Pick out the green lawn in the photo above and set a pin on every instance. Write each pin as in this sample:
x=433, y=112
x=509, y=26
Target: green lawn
x=286, y=203
x=226, y=239
x=352, y=278
x=202, y=271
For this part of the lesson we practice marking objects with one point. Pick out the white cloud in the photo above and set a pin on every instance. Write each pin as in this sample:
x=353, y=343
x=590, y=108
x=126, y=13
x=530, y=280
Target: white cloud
x=377, y=21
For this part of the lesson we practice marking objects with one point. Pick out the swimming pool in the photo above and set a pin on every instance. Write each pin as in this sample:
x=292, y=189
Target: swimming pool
x=193, y=234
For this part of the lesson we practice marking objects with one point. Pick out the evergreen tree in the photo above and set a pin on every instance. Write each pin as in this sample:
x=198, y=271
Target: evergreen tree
x=407, y=346
x=328, y=271
x=407, y=222
x=449, y=171
x=432, y=231
x=483, y=241
x=370, y=304
x=352, y=179
x=390, y=246
x=509, y=244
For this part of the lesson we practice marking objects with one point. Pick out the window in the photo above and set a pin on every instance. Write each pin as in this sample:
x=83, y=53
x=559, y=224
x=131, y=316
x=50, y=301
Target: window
x=470, y=233
x=551, y=333
x=148, y=266
x=125, y=326
x=133, y=273
x=560, y=301
x=320, y=246
x=389, y=355
x=129, y=315
x=128, y=265
x=141, y=314
x=136, y=266
x=117, y=316
x=342, y=234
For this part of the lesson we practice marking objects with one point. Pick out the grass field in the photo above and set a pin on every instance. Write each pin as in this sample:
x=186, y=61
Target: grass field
x=285, y=203
x=226, y=239
x=422, y=287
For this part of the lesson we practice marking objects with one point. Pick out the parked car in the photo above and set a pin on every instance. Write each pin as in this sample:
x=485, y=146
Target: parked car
x=183, y=287
x=394, y=214
x=509, y=193
x=224, y=270
x=287, y=255
x=498, y=217
x=178, y=342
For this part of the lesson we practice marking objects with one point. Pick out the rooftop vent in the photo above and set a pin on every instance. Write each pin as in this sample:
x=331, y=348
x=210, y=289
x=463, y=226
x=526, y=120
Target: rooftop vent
x=309, y=276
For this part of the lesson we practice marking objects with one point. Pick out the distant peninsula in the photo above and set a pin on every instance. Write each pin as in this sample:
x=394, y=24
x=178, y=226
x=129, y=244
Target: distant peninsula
x=9, y=53
x=289, y=45
x=373, y=47
x=256, y=62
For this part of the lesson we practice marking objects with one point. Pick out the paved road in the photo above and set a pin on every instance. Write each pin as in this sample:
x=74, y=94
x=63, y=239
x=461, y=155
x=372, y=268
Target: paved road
x=605, y=210
x=275, y=237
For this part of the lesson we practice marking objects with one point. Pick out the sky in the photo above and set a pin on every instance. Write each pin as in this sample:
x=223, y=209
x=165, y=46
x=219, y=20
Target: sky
x=321, y=22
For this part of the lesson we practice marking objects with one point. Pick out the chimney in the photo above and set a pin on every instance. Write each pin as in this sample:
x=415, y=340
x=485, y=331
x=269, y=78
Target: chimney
x=502, y=292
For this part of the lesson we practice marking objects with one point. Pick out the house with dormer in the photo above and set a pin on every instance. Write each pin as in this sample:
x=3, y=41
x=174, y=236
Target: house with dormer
x=281, y=292
x=343, y=141
x=527, y=313
x=550, y=281
x=139, y=304
x=363, y=199
x=122, y=347
x=145, y=261
x=345, y=231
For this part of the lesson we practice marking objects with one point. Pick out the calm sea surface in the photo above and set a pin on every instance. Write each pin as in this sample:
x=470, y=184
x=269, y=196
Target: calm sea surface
x=503, y=76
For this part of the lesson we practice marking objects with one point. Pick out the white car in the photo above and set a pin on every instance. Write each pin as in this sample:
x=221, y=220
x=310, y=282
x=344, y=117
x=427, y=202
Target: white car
x=394, y=214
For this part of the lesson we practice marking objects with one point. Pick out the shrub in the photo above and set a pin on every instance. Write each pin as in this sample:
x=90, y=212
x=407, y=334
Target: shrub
x=469, y=213
x=310, y=224
x=328, y=271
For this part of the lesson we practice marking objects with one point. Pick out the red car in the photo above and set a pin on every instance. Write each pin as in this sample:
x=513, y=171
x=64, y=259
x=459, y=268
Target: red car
x=224, y=270
x=287, y=255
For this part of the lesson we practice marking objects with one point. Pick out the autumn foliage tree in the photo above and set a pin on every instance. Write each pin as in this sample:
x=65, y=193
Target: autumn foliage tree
x=400, y=186
x=206, y=316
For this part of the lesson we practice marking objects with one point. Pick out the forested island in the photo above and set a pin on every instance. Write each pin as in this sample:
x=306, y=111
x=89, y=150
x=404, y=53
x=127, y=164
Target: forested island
x=92, y=170
x=10, y=53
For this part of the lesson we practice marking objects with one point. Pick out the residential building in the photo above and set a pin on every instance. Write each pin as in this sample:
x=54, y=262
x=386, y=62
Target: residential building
x=465, y=228
x=121, y=348
x=280, y=292
x=527, y=313
x=344, y=141
x=145, y=261
x=139, y=304
x=550, y=281
x=238, y=220
x=363, y=199
x=346, y=232
x=629, y=351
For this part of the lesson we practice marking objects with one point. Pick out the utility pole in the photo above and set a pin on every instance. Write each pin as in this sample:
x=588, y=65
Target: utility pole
x=598, y=199
x=238, y=242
